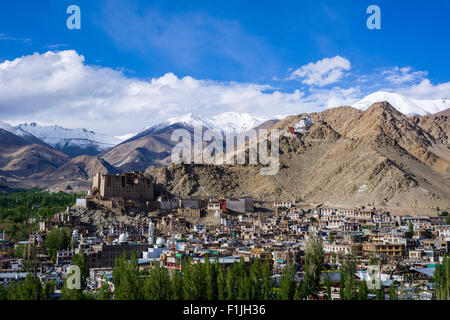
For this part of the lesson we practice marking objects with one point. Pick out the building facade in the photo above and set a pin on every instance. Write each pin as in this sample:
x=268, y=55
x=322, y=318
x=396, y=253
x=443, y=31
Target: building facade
x=130, y=186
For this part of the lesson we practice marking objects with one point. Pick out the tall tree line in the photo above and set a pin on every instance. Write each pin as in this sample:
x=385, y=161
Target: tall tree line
x=441, y=280
x=195, y=281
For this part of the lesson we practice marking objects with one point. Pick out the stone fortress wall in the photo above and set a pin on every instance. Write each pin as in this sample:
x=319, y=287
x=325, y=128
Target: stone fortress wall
x=131, y=186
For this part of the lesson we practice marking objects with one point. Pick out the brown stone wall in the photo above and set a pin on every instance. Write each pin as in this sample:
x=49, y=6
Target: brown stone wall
x=128, y=186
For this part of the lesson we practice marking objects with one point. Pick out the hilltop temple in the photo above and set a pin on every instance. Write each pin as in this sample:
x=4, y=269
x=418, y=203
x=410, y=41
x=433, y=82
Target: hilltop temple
x=301, y=127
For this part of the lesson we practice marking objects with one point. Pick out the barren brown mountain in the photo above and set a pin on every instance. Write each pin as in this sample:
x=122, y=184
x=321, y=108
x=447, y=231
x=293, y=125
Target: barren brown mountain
x=437, y=125
x=152, y=147
x=21, y=159
x=348, y=157
x=82, y=168
x=143, y=150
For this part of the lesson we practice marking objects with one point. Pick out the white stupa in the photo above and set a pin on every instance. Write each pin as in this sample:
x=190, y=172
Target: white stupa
x=123, y=238
x=151, y=233
x=75, y=235
x=160, y=242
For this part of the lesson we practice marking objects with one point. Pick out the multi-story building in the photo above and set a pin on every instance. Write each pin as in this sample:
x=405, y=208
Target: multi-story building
x=104, y=255
x=240, y=205
x=130, y=186
x=391, y=250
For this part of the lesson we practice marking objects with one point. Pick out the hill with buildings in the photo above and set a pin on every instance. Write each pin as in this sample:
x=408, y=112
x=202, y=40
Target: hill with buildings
x=348, y=157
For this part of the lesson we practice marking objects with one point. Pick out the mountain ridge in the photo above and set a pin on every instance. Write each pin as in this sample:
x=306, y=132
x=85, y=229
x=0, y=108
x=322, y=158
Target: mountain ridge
x=379, y=151
x=407, y=106
x=73, y=142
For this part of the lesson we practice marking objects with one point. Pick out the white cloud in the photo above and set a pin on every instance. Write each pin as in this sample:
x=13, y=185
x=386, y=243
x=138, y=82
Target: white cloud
x=7, y=37
x=426, y=90
x=403, y=75
x=59, y=88
x=334, y=97
x=322, y=72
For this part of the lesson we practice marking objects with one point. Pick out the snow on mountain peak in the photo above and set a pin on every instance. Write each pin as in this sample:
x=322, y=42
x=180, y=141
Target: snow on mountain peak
x=403, y=104
x=7, y=127
x=60, y=137
x=228, y=122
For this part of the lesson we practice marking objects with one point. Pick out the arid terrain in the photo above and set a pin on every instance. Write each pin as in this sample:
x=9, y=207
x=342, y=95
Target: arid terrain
x=348, y=157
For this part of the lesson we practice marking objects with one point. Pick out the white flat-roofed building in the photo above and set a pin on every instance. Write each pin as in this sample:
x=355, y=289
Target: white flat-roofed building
x=189, y=203
x=337, y=248
x=199, y=228
x=281, y=204
x=443, y=231
x=213, y=206
x=166, y=203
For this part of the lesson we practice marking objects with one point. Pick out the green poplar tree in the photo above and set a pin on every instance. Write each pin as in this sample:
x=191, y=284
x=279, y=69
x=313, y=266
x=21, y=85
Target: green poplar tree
x=177, y=286
x=266, y=281
x=256, y=281
x=211, y=280
x=221, y=286
x=392, y=292
x=314, y=263
x=126, y=278
x=287, y=282
x=104, y=292
x=362, y=294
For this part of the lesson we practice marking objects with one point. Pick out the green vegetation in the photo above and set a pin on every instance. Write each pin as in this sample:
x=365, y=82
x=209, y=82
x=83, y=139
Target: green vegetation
x=441, y=280
x=447, y=217
x=198, y=281
x=287, y=283
x=104, y=293
x=314, y=264
x=57, y=239
x=331, y=236
x=17, y=208
x=79, y=260
x=349, y=289
x=212, y=281
x=30, y=289
x=392, y=292
x=23, y=250
x=410, y=228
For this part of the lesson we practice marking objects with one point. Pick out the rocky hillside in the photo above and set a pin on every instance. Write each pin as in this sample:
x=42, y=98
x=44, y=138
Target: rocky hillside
x=349, y=157
x=26, y=164
x=154, y=146
x=82, y=168
x=22, y=159
x=437, y=125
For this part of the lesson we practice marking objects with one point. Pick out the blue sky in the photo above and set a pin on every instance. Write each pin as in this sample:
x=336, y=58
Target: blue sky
x=228, y=45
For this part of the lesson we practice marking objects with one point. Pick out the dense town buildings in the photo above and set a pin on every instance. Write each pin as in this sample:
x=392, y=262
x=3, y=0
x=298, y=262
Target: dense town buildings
x=169, y=229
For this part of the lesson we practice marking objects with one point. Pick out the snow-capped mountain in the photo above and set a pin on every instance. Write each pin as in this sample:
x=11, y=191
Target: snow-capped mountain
x=9, y=128
x=403, y=104
x=27, y=136
x=73, y=142
x=153, y=145
x=231, y=123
